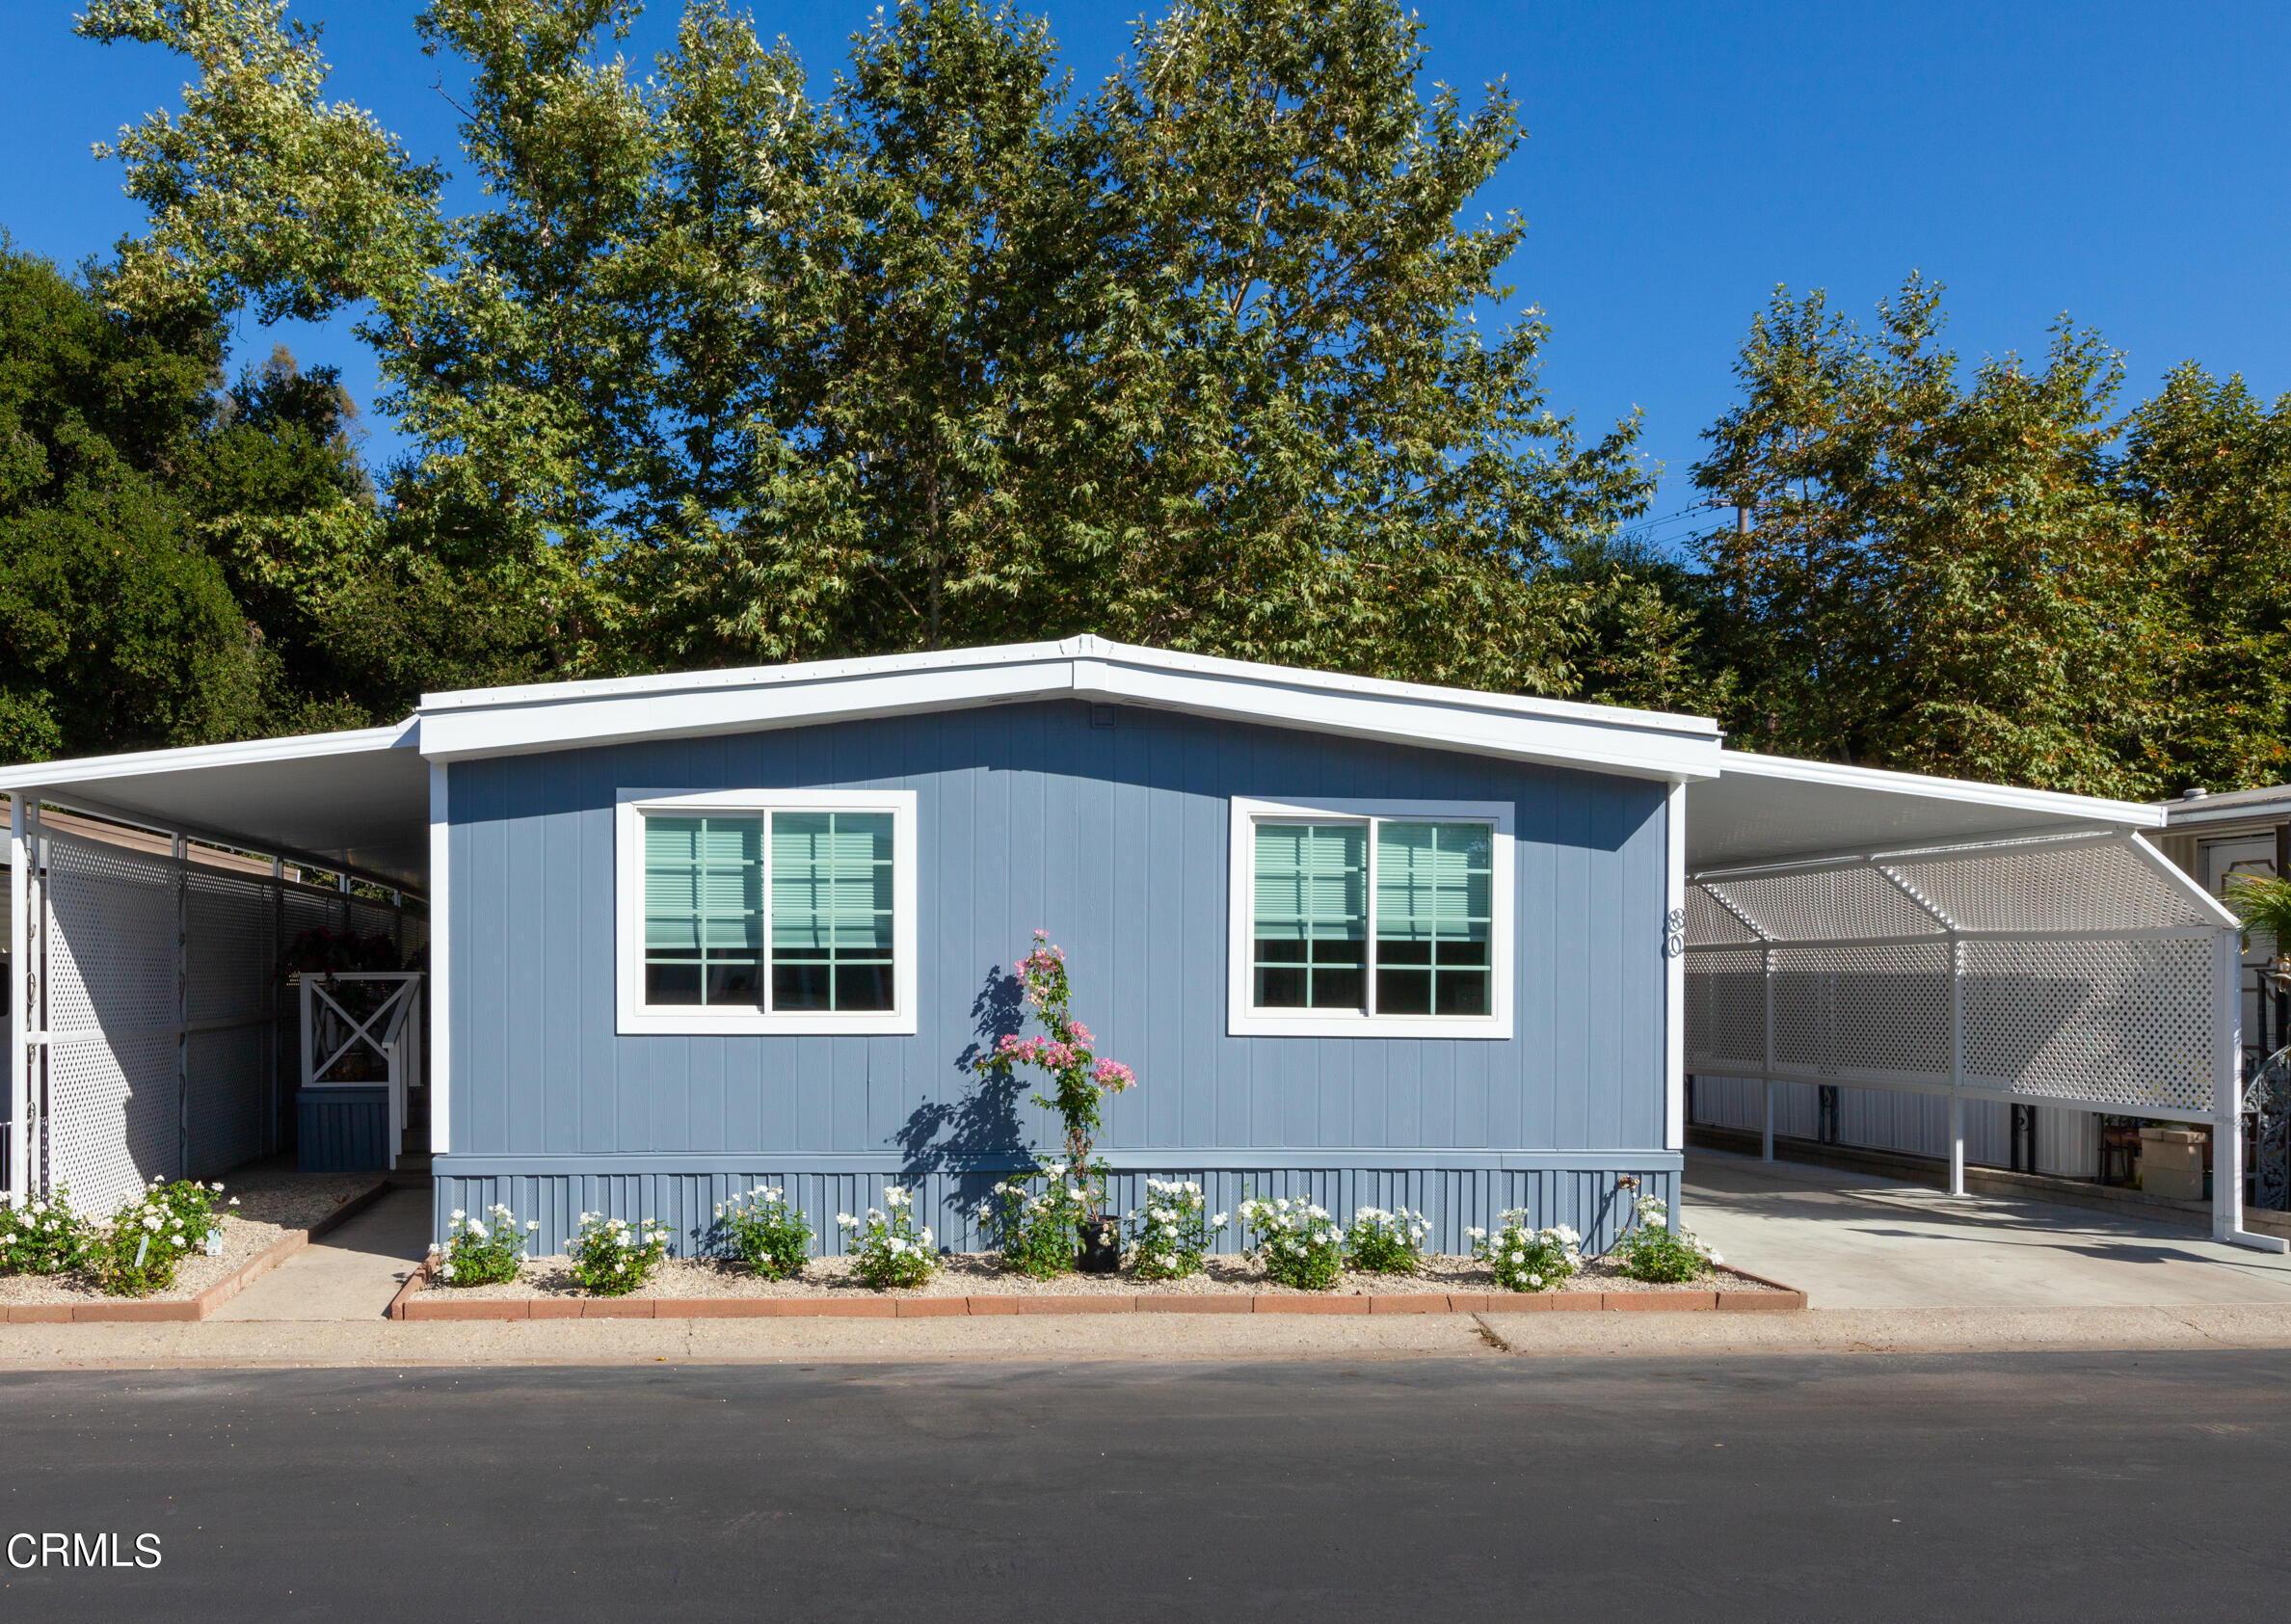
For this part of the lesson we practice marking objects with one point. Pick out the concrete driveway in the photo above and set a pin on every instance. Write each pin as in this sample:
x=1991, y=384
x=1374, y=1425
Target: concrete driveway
x=1851, y=1240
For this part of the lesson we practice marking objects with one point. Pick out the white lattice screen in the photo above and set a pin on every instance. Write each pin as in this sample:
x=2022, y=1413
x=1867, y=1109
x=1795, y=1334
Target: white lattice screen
x=2079, y=972
x=164, y=1014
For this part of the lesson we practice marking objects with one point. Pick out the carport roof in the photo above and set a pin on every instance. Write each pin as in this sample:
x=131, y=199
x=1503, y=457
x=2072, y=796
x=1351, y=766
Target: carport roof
x=356, y=802
x=359, y=801
x=1776, y=810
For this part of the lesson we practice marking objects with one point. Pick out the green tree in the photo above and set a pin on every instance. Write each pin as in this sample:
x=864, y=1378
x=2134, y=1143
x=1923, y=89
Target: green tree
x=117, y=630
x=720, y=372
x=2208, y=467
x=1941, y=577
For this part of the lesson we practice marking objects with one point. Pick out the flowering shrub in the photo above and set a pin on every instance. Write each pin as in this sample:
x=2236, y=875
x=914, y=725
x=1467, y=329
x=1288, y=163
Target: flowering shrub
x=45, y=1236
x=1658, y=1252
x=1298, y=1243
x=1381, y=1243
x=152, y=1234
x=1524, y=1259
x=612, y=1257
x=477, y=1252
x=1078, y=1079
x=766, y=1233
x=1173, y=1233
x=887, y=1249
x=1038, y=1232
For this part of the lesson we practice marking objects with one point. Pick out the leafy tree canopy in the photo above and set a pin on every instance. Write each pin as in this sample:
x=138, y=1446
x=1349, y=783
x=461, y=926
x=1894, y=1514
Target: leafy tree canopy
x=722, y=371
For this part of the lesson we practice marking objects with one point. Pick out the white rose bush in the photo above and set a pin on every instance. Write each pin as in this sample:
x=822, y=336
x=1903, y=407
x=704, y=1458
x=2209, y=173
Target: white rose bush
x=1174, y=1230
x=1525, y=1258
x=481, y=1251
x=1381, y=1243
x=1037, y=1228
x=764, y=1231
x=887, y=1249
x=1297, y=1242
x=45, y=1235
x=612, y=1257
x=151, y=1235
x=1659, y=1251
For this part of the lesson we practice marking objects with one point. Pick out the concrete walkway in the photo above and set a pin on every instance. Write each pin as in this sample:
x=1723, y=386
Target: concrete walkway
x=1852, y=1240
x=348, y=1273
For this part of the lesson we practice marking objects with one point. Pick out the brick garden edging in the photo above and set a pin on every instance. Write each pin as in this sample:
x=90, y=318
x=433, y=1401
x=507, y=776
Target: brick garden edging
x=413, y=1302
x=180, y=1308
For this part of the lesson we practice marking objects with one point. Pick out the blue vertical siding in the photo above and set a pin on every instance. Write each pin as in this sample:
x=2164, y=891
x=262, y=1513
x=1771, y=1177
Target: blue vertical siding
x=1115, y=841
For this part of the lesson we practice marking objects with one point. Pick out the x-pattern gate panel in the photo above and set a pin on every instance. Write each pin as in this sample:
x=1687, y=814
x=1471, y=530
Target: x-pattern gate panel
x=2078, y=971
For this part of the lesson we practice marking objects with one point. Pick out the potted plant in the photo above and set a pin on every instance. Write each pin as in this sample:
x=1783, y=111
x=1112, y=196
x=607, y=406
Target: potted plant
x=1079, y=1081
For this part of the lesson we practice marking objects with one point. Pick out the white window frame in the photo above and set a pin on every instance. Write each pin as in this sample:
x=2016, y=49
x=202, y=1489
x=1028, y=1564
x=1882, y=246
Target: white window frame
x=1243, y=1019
x=635, y=1017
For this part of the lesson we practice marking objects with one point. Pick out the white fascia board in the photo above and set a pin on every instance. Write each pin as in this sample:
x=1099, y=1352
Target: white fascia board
x=613, y=718
x=1452, y=721
x=2200, y=814
x=574, y=715
x=91, y=769
x=2092, y=809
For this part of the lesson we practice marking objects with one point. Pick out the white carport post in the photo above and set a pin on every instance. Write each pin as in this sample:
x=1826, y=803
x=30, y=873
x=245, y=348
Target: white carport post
x=2227, y=1134
x=25, y=1038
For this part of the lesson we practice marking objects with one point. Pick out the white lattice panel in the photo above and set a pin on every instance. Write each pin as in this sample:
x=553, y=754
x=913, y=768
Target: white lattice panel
x=2122, y=1024
x=1727, y=1007
x=230, y=1095
x=2101, y=886
x=1709, y=923
x=111, y=939
x=234, y=953
x=112, y=1115
x=1828, y=905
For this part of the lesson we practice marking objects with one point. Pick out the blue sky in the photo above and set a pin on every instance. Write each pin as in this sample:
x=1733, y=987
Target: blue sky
x=2122, y=163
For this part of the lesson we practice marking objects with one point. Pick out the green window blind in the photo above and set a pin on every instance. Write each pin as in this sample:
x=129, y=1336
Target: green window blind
x=1435, y=896
x=1311, y=930
x=832, y=911
x=703, y=910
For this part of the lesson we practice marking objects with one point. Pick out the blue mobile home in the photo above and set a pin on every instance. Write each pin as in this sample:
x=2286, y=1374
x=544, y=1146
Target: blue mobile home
x=1371, y=943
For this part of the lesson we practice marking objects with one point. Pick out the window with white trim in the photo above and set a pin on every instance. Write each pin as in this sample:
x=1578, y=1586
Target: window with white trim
x=766, y=911
x=1357, y=917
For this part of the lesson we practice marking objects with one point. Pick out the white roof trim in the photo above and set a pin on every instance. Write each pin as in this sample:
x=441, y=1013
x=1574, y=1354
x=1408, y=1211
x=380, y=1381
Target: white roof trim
x=571, y=715
x=2130, y=814
x=89, y=769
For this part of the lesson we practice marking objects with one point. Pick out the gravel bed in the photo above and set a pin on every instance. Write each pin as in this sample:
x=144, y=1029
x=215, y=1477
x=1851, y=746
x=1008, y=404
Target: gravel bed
x=963, y=1274
x=273, y=1202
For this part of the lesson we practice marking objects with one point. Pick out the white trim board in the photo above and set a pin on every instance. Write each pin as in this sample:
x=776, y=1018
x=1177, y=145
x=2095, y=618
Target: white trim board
x=1243, y=1019
x=633, y=1016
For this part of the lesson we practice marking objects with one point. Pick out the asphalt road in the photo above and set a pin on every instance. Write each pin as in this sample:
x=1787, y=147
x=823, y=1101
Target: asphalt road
x=2024, y=1486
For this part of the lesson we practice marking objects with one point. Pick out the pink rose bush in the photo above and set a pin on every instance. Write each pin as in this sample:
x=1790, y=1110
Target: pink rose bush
x=1078, y=1078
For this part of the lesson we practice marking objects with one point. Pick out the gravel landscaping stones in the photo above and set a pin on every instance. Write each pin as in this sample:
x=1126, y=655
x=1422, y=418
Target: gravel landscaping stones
x=274, y=1203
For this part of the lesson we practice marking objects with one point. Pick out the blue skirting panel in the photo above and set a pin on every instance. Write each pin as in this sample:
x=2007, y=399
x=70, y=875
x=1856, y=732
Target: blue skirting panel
x=1571, y=1188
x=341, y=1130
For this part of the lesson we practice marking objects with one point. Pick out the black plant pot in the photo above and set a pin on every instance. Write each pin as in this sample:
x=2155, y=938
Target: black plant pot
x=1101, y=1246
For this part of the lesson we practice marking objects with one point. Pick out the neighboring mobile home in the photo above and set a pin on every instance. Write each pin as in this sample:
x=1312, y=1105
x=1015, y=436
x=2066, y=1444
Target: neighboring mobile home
x=1372, y=942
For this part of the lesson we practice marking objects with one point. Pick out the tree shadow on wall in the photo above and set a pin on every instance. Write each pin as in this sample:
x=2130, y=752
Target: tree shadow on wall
x=975, y=1138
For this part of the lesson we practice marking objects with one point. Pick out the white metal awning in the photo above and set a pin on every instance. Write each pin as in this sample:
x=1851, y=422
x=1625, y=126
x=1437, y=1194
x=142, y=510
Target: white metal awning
x=1774, y=810
x=354, y=802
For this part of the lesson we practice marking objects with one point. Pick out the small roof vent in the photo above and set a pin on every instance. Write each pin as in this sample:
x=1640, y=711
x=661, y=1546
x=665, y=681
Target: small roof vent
x=2192, y=794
